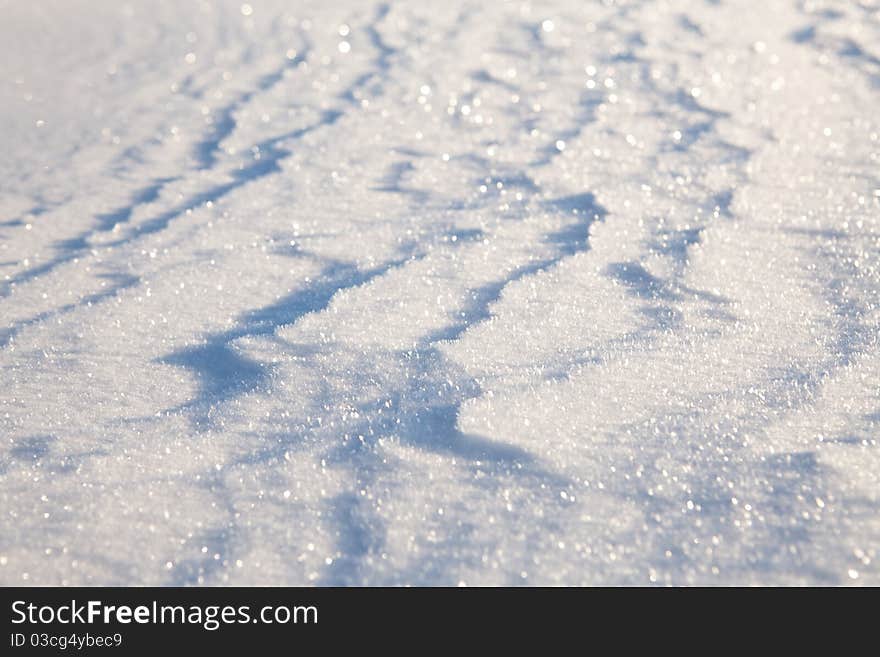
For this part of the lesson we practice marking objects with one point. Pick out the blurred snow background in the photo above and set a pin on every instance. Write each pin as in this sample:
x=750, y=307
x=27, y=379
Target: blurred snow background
x=436, y=293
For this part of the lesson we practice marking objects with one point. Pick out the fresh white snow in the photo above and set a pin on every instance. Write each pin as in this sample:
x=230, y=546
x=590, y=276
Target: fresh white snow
x=346, y=293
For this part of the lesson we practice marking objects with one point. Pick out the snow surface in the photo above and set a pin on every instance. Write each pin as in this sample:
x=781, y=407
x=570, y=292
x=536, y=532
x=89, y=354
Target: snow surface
x=346, y=293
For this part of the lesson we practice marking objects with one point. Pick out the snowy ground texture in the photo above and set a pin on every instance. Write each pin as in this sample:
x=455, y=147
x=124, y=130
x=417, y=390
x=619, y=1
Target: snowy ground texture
x=342, y=293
